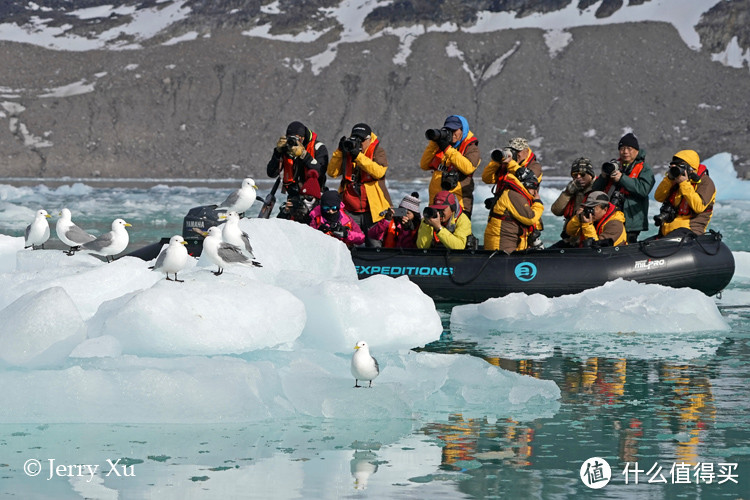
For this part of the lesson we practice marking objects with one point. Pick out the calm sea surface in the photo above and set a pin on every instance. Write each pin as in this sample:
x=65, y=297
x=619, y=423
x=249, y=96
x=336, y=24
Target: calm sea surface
x=683, y=421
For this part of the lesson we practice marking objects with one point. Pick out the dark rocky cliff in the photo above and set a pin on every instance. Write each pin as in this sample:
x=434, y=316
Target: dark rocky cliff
x=214, y=106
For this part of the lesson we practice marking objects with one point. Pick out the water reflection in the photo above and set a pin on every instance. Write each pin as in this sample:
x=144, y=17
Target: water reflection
x=363, y=465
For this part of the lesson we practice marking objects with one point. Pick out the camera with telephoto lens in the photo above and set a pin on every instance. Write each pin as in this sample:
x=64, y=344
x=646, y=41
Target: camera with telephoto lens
x=667, y=214
x=439, y=135
x=676, y=170
x=505, y=154
x=610, y=167
x=617, y=198
x=430, y=213
x=352, y=144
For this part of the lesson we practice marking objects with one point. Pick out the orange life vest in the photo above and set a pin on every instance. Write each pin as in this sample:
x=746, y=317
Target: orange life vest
x=635, y=172
x=354, y=197
x=391, y=235
x=288, y=163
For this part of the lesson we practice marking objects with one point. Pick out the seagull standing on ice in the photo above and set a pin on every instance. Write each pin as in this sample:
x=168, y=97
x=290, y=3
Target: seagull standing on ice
x=364, y=366
x=173, y=258
x=37, y=233
x=232, y=234
x=111, y=243
x=223, y=254
x=241, y=200
x=70, y=234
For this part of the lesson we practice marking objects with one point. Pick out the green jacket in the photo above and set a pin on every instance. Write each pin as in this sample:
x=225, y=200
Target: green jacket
x=635, y=189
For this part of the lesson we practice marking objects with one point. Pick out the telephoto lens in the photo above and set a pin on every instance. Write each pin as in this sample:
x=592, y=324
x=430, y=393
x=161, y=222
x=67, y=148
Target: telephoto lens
x=429, y=213
x=610, y=167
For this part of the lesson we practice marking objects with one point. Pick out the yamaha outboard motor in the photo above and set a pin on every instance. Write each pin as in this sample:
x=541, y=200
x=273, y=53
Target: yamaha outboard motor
x=199, y=219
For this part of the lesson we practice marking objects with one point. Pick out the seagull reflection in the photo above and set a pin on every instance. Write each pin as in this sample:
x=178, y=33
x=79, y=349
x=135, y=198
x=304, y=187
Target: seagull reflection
x=363, y=465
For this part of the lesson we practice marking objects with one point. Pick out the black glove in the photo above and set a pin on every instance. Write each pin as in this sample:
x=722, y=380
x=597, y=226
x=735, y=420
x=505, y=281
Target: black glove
x=443, y=143
x=324, y=227
x=355, y=151
x=341, y=144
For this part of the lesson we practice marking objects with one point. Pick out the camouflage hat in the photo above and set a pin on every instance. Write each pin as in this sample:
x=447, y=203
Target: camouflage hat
x=582, y=165
x=518, y=143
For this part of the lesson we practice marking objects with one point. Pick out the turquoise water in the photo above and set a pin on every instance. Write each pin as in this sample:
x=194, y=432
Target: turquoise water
x=635, y=402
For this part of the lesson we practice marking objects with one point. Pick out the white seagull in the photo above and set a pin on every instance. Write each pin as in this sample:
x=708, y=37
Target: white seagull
x=37, y=233
x=241, y=200
x=173, y=258
x=70, y=234
x=232, y=234
x=364, y=366
x=111, y=243
x=223, y=254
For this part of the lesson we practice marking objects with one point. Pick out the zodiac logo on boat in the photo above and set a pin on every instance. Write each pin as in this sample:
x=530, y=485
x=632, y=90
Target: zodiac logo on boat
x=525, y=271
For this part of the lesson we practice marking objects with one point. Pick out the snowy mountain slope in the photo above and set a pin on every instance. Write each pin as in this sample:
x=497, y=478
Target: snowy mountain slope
x=203, y=88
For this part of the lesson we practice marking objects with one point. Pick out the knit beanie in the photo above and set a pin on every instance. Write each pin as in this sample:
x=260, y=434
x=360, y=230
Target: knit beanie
x=628, y=140
x=311, y=186
x=410, y=202
x=582, y=165
x=296, y=128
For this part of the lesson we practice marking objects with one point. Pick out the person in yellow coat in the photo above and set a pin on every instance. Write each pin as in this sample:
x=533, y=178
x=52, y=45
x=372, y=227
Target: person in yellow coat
x=361, y=162
x=687, y=194
x=444, y=224
x=452, y=155
x=597, y=223
x=515, y=214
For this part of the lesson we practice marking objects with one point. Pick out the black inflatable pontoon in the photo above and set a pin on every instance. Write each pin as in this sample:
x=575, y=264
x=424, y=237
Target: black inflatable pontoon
x=704, y=263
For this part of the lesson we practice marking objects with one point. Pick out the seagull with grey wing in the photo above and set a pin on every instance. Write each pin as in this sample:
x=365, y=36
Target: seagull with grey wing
x=111, y=243
x=70, y=234
x=37, y=233
x=364, y=366
x=242, y=199
x=173, y=258
x=232, y=234
x=223, y=254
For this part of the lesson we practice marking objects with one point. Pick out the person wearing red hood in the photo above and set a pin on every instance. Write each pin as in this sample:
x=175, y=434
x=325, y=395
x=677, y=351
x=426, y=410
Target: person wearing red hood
x=330, y=218
x=297, y=157
x=687, y=194
x=444, y=224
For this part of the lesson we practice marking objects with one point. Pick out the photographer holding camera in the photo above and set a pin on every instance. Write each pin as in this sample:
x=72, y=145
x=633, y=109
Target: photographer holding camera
x=513, y=218
x=330, y=218
x=630, y=179
x=452, y=154
x=398, y=227
x=296, y=155
x=361, y=162
x=444, y=223
x=566, y=205
x=597, y=223
x=687, y=194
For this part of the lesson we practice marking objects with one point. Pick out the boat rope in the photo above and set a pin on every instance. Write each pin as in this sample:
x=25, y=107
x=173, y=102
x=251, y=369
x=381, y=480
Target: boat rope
x=643, y=245
x=481, y=269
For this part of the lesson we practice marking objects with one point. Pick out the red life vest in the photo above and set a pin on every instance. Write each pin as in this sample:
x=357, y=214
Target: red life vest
x=391, y=235
x=502, y=173
x=288, y=163
x=684, y=207
x=515, y=186
x=355, y=198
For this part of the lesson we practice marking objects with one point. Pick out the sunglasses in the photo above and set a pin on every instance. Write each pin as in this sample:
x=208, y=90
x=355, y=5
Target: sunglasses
x=326, y=208
x=577, y=174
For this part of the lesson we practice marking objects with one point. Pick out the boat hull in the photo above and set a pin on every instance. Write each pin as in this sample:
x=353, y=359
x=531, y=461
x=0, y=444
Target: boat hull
x=704, y=263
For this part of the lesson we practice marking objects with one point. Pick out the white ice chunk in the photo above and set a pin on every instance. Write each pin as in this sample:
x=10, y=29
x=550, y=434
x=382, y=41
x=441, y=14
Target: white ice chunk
x=204, y=315
x=9, y=247
x=386, y=312
x=617, y=306
x=40, y=329
x=105, y=346
x=741, y=266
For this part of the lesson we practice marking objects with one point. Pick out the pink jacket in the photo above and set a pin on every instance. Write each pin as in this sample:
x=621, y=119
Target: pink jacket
x=354, y=236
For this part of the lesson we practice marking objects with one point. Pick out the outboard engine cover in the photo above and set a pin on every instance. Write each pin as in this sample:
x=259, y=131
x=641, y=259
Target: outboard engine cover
x=200, y=219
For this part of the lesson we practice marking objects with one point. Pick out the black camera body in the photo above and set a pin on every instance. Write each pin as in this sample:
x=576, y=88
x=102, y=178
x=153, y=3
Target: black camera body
x=617, y=199
x=430, y=213
x=449, y=180
x=291, y=141
x=587, y=212
x=610, y=167
x=667, y=214
x=352, y=144
x=439, y=135
x=676, y=170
